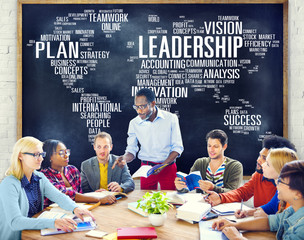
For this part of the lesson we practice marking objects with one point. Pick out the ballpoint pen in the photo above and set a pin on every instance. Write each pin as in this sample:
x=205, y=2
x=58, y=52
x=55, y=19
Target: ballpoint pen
x=242, y=204
x=206, y=197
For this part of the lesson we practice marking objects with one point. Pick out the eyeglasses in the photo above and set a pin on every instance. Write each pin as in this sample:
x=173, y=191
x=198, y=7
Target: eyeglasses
x=141, y=107
x=280, y=181
x=36, y=155
x=62, y=153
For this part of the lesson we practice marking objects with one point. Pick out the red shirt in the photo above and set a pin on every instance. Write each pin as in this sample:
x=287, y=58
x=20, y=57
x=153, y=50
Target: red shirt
x=71, y=173
x=262, y=190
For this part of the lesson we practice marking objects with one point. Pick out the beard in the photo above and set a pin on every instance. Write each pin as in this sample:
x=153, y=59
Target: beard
x=148, y=116
x=259, y=168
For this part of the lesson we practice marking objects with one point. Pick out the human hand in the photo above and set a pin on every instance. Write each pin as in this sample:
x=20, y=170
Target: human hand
x=80, y=212
x=179, y=184
x=232, y=233
x=206, y=185
x=213, y=198
x=120, y=162
x=100, y=190
x=109, y=199
x=260, y=213
x=242, y=213
x=157, y=171
x=65, y=224
x=221, y=224
x=114, y=187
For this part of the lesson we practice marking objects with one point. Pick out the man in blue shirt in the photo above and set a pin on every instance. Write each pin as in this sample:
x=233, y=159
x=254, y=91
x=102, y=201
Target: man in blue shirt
x=160, y=140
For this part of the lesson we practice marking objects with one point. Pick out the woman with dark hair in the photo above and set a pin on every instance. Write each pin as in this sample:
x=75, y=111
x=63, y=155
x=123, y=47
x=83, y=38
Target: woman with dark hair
x=63, y=176
x=288, y=224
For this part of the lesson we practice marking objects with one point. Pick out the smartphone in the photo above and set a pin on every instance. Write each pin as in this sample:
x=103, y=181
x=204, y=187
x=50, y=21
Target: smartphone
x=209, y=216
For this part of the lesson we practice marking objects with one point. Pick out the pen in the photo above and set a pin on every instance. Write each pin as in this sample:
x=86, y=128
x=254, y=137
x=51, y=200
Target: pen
x=242, y=204
x=206, y=197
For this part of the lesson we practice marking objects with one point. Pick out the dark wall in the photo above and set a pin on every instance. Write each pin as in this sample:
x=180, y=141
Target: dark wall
x=216, y=97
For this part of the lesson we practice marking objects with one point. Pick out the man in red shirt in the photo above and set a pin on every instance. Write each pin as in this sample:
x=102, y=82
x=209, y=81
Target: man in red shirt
x=258, y=186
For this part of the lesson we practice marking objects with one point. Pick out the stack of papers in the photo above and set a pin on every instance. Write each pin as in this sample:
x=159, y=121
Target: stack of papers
x=193, y=211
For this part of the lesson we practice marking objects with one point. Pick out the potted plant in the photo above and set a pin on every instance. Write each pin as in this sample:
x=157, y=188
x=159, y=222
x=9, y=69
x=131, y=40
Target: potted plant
x=156, y=204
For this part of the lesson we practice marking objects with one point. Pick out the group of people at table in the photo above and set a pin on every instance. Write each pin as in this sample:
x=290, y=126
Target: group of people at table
x=277, y=184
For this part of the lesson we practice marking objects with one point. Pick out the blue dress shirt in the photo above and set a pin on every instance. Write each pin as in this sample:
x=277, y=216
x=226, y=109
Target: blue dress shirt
x=157, y=139
x=288, y=224
x=33, y=194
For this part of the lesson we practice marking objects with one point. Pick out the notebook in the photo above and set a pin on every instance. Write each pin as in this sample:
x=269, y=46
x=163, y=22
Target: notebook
x=132, y=206
x=136, y=232
x=87, y=224
x=229, y=208
x=207, y=233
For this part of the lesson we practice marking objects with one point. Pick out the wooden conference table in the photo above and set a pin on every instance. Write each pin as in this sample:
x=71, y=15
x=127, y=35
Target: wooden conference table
x=111, y=217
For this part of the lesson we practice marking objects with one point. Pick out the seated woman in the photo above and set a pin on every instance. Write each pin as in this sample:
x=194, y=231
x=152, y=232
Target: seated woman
x=65, y=177
x=219, y=173
x=275, y=161
x=288, y=224
x=23, y=190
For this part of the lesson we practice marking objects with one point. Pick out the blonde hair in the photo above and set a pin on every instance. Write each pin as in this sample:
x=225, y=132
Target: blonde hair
x=25, y=144
x=103, y=135
x=279, y=156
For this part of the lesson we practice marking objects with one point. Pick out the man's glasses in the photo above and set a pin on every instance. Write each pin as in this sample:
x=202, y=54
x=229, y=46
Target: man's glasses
x=36, y=155
x=62, y=153
x=280, y=181
x=141, y=107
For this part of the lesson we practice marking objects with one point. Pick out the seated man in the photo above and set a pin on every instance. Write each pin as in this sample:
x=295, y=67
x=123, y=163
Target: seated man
x=219, y=173
x=258, y=186
x=97, y=173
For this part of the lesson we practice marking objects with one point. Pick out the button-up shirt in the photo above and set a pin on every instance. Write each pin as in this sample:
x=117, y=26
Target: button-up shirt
x=157, y=139
x=288, y=224
x=71, y=173
x=33, y=194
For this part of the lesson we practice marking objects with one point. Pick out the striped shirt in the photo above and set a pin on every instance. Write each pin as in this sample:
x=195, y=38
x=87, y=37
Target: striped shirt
x=71, y=173
x=218, y=177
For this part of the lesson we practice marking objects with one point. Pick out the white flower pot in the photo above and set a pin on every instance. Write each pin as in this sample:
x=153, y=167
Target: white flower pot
x=157, y=219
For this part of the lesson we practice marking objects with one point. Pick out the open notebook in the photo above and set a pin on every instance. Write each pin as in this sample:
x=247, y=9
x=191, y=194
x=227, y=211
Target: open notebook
x=87, y=224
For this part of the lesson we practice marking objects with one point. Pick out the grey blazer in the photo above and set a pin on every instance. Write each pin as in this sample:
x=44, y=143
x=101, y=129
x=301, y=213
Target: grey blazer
x=90, y=175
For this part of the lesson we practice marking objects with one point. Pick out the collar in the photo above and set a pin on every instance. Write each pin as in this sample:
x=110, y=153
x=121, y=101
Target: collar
x=54, y=171
x=269, y=180
x=294, y=217
x=159, y=114
x=25, y=182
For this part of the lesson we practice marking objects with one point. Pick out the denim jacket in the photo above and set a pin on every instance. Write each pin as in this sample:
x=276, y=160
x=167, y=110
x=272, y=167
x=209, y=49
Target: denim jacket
x=288, y=224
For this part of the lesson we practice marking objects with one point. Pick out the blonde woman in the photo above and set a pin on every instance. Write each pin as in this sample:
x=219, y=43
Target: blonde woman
x=275, y=161
x=23, y=190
